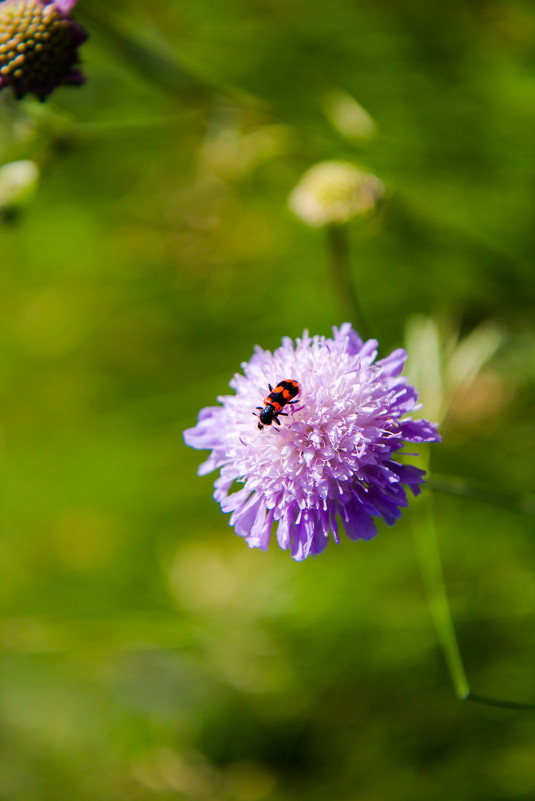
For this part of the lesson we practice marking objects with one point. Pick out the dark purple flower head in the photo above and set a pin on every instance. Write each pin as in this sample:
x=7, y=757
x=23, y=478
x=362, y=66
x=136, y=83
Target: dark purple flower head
x=39, y=46
x=334, y=455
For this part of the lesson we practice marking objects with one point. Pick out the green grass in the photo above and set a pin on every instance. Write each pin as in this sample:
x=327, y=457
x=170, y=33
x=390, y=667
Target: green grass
x=146, y=652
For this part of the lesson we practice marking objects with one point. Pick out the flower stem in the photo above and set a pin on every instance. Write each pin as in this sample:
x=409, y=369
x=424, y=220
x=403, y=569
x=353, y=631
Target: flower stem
x=338, y=248
x=433, y=577
x=523, y=503
x=150, y=54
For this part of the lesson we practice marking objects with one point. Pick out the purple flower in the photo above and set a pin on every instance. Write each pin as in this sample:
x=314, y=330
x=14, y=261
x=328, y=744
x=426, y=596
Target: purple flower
x=39, y=46
x=333, y=456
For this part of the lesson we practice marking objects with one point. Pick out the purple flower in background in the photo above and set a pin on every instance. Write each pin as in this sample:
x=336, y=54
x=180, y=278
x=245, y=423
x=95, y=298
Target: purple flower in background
x=39, y=46
x=333, y=455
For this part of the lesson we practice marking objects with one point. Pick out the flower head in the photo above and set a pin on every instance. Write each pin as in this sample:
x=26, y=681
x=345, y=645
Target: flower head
x=334, y=454
x=39, y=43
x=334, y=192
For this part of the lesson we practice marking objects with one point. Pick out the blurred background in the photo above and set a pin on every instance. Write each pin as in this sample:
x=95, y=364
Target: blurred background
x=146, y=652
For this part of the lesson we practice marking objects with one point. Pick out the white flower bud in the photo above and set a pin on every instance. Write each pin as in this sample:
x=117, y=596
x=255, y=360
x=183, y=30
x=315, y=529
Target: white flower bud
x=18, y=184
x=334, y=192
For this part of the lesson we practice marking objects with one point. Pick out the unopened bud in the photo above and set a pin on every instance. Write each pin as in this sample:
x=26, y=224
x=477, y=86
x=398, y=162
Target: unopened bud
x=18, y=184
x=334, y=192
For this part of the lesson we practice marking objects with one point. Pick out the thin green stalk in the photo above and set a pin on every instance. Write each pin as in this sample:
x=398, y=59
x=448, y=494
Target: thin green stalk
x=339, y=262
x=433, y=577
x=523, y=503
x=157, y=61
x=518, y=705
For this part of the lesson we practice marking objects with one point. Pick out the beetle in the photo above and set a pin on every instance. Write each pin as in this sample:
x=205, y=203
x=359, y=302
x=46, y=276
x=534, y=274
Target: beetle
x=277, y=399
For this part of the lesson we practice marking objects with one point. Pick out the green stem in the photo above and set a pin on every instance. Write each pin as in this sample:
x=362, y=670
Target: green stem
x=156, y=60
x=518, y=705
x=433, y=577
x=521, y=503
x=338, y=248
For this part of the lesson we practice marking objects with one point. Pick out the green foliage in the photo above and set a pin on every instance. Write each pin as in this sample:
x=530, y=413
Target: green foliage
x=146, y=652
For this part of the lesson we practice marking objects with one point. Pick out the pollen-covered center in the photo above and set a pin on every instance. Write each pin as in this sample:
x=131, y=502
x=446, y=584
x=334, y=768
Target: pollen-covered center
x=36, y=45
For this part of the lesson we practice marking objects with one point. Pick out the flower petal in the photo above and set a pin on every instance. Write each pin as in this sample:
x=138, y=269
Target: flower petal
x=357, y=524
